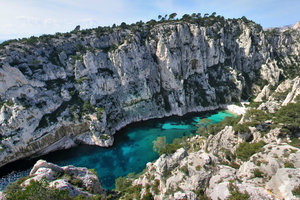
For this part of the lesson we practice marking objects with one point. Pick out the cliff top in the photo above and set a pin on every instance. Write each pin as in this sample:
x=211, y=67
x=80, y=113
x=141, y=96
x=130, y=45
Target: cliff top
x=140, y=26
x=297, y=25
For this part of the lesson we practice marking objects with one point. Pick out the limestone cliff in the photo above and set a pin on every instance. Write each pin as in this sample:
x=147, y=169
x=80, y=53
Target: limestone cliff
x=254, y=156
x=81, y=87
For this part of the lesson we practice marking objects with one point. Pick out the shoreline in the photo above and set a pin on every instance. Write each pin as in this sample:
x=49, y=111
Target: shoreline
x=237, y=110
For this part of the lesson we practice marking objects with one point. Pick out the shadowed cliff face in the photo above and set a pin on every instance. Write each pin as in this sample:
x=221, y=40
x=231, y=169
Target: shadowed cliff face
x=100, y=80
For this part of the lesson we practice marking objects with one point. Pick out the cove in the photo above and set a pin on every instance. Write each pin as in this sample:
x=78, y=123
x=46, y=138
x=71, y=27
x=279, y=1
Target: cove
x=132, y=149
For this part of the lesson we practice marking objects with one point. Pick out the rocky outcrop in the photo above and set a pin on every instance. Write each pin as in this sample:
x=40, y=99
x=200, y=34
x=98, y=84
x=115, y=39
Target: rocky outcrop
x=271, y=174
x=178, y=176
x=293, y=94
x=285, y=93
x=76, y=180
x=216, y=167
x=82, y=87
x=284, y=182
x=297, y=25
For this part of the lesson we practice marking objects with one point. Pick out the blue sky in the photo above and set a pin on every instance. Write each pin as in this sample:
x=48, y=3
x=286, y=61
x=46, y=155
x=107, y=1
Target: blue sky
x=23, y=18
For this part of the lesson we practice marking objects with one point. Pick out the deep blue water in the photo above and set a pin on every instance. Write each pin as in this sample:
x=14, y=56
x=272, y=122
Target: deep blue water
x=132, y=149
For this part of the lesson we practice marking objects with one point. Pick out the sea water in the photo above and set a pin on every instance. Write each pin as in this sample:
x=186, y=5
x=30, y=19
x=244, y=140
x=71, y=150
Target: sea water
x=132, y=149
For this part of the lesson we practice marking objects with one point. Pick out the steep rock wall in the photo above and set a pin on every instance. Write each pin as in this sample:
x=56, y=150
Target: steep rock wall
x=83, y=87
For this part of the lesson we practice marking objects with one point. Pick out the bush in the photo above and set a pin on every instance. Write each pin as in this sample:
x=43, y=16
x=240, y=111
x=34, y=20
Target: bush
x=93, y=171
x=235, y=194
x=184, y=169
x=155, y=186
x=296, y=191
x=198, y=167
x=87, y=107
x=295, y=142
x=245, y=150
x=122, y=184
x=215, y=128
x=100, y=112
x=32, y=40
x=257, y=173
x=8, y=103
x=76, y=182
x=80, y=80
x=289, y=115
x=160, y=146
x=35, y=190
x=256, y=116
x=289, y=165
x=148, y=196
x=241, y=128
x=280, y=96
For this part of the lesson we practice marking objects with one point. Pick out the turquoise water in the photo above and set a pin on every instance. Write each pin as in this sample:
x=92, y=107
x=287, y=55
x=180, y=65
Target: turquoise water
x=133, y=147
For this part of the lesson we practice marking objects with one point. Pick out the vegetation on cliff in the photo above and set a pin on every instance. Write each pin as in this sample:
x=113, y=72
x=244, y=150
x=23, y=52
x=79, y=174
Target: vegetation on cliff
x=205, y=20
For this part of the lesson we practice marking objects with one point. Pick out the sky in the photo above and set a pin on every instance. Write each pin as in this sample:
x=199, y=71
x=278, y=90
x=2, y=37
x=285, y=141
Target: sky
x=24, y=18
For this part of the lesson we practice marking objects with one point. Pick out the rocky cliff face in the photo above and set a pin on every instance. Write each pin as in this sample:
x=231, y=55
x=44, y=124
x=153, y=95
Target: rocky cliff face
x=259, y=161
x=81, y=87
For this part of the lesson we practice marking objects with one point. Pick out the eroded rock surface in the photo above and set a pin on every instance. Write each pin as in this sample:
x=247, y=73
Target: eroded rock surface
x=102, y=81
x=64, y=178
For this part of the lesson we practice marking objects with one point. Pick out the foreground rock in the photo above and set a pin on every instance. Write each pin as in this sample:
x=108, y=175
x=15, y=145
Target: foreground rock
x=195, y=175
x=76, y=180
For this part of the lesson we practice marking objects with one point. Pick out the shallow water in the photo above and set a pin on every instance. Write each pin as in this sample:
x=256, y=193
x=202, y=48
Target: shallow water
x=132, y=149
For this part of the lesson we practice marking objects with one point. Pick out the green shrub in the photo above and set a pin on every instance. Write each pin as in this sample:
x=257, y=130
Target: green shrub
x=257, y=173
x=77, y=57
x=100, y=112
x=201, y=194
x=289, y=115
x=241, y=128
x=245, y=150
x=254, y=104
x=280, y=96
x=215, y=128
x=198, y=167
x=148, y=196
x=296, y=191
x=8, y=103
x=160, y=146
x=104, y=137
x=93, y=171
x=256, y=116
x=289, y=165
x=80, y=80
x=235, y=194
x=54, y=57
x=123, y=183
x=35, y=190
x=32, y=40
x=184, y=169
x=76, y=182
x=155, y=186
x=87, y=107
x=297, y=99
x=295, y=142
